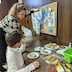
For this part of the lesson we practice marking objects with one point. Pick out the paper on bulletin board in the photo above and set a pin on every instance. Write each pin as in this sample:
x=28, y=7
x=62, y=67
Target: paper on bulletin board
x=36, y=18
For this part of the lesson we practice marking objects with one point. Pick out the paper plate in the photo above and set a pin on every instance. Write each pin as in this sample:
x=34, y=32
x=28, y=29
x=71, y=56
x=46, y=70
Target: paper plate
x=38, y=48
x=46, y=47
x=33, y=55
x=51, y=46
x=45, y=52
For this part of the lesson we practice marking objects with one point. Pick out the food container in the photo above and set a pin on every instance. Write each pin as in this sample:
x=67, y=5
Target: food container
x=68, y=55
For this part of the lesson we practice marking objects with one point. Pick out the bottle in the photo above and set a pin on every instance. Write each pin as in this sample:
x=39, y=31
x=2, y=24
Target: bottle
x=69, y=45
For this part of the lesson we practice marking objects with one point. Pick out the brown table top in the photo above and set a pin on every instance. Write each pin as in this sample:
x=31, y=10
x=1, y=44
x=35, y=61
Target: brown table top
x=44, y=67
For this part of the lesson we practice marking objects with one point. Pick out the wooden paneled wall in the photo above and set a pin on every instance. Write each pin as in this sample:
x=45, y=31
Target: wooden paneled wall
x=64, y=21
x=71, y=20
x=5, y=6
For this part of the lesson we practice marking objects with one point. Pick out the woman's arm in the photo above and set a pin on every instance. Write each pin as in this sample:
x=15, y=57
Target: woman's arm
x=22, y=48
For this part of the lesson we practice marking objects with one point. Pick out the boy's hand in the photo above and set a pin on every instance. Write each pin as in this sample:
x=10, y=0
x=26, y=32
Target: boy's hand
x=36, y=64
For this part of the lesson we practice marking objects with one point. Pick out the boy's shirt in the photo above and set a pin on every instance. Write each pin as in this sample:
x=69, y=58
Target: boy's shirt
x=15, y=60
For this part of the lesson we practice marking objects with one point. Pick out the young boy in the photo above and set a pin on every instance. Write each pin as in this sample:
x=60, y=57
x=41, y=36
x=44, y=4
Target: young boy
x=14, y=54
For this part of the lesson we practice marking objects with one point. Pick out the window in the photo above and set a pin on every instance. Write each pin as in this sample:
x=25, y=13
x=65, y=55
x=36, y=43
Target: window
x=0, y=1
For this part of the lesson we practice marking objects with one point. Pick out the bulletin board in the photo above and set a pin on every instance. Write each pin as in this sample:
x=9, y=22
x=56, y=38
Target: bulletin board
x=49, y=19
x=45, y=19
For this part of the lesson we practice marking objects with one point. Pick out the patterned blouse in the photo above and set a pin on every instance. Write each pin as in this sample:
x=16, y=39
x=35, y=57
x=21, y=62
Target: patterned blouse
x=9, y=23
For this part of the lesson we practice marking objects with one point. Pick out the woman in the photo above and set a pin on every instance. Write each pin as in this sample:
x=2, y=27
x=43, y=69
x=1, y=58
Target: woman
x=15, y=20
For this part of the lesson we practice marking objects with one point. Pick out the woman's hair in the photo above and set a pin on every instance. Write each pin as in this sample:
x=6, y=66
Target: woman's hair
x=17, y=7
x=13, y=38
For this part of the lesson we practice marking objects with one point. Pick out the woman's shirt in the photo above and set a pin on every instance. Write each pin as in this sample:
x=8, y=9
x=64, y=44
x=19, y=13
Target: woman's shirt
x=9, y=23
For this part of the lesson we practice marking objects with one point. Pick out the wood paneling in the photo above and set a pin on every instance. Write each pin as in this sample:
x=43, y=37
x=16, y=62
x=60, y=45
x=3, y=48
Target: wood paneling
x=71, y=20
x=5, y=6
x=64, y=21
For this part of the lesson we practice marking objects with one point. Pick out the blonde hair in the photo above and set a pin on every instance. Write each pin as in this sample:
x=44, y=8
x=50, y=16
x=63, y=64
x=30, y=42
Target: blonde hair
x=17, y=7
x=12, y=11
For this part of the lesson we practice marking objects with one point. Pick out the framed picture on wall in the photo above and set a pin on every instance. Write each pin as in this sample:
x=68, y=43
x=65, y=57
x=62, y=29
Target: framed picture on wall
x=49, y=19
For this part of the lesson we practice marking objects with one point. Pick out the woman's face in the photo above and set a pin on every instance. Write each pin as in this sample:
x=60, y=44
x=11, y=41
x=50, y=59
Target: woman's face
x=21, y=15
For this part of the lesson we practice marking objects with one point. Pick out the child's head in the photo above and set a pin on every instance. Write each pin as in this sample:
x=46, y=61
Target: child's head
x=13, y=39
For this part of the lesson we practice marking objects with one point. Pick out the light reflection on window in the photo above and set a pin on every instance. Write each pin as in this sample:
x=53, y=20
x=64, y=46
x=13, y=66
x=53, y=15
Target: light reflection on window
x=0, y=1
x=33, y=2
